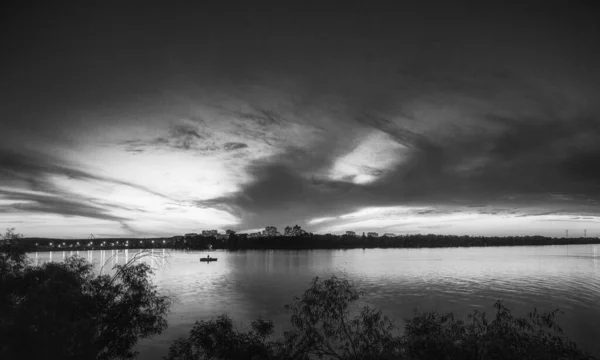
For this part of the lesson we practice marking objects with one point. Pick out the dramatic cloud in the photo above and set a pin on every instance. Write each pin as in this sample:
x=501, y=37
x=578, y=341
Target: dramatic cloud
x=430, y=118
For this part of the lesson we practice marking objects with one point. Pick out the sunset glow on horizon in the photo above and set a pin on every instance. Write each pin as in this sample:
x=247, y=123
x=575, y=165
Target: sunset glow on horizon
x=227, y=123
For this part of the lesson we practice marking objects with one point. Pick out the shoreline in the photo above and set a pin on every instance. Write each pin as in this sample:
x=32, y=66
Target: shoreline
x=566, y=242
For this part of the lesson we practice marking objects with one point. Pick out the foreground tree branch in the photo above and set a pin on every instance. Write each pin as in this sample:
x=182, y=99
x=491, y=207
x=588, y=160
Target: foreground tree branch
x=67, y=311
x=322, y=328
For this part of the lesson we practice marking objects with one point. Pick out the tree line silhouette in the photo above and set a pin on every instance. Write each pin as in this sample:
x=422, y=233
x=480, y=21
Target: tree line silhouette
x=306, y=241
x=328, y=241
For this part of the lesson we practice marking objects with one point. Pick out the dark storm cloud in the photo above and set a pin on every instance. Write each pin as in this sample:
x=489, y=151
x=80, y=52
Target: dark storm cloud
x=538, y=155
x=532, y=134
x=282, y=194
x=533, y=156
x=278, y=193
x=522, y=81
x=584, y=165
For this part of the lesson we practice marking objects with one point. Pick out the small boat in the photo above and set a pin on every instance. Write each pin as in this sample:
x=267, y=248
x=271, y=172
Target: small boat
x=208, y=259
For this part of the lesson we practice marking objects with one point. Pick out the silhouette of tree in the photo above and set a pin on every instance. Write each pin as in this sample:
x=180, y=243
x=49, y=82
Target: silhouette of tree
x=322, y=328
x=66, y=311
x=218, y=339
x=322, y=325
x=10, y=236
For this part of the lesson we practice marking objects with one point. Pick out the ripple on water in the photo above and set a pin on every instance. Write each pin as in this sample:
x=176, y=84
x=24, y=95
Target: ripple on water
x=250, y=284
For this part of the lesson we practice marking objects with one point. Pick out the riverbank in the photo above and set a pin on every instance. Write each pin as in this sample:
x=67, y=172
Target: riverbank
x=308, y=242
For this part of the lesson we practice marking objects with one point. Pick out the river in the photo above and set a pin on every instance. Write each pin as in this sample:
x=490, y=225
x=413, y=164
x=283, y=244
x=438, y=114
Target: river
x=251, y=284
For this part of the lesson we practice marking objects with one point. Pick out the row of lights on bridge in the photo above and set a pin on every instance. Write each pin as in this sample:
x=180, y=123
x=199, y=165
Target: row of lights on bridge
x=103, y=243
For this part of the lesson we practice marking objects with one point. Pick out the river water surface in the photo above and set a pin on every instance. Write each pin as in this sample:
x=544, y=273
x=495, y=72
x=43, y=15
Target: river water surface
x=251, y=284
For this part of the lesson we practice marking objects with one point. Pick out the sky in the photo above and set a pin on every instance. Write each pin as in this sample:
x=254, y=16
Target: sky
x=459, y=118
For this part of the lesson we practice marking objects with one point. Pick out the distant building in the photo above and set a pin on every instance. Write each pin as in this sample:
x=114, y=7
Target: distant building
x=351, y=233
x=207, y=233
x=191, y=235
x=372, y=234
x=389, y=235
x=255, y=235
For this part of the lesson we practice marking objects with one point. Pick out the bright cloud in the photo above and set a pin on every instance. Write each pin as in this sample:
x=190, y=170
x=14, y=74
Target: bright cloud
x=377, y=154
x=424, y=220
x=320, y=220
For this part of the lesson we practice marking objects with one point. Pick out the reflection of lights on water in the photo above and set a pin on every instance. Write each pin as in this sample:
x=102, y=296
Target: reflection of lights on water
x=50, y=258
x=36, y=258
x=126, y=256
x=163, y=256
x=64, y=256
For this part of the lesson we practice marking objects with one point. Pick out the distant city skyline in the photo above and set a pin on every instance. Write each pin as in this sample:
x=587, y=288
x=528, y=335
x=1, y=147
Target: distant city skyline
x=273, y=231
x=422, y=117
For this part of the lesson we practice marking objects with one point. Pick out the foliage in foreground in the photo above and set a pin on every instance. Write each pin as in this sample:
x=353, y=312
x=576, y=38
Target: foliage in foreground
x=66, y=311
x=322, y=328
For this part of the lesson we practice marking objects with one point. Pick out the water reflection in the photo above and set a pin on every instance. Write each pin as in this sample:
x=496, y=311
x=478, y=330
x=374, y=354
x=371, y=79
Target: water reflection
x=249, y=284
